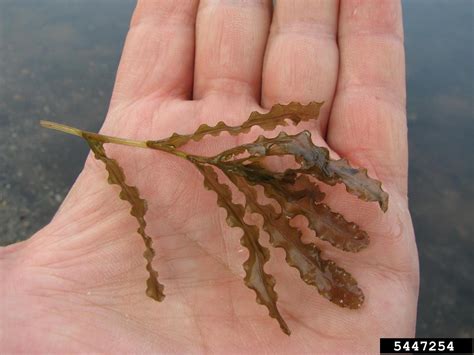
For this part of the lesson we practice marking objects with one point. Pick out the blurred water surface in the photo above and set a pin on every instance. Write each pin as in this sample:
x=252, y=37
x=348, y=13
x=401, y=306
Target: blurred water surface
x=58, y=60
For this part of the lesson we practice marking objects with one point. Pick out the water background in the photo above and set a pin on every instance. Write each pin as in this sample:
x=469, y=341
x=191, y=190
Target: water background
x=58, y=61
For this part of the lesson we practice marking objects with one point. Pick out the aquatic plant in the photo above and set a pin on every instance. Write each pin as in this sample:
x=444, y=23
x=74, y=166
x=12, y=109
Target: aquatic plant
x=294, y=190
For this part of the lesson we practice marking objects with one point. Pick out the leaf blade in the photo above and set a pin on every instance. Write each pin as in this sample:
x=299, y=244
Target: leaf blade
x=298, y=195
x=277, y=116
x=315, y=161
x=327, y=225
x=255, y=276
x=139, y=207
x=331, y=281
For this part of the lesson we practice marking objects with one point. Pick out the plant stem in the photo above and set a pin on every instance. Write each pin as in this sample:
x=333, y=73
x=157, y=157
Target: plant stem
x=117, y=140
x=99, y=137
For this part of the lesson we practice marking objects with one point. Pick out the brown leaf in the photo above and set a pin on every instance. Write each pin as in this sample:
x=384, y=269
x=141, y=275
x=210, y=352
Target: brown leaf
x=332, y=282
x=315, y=161
x=139, y=208
x=297, y=195
x=327, y=225
x=255, y=276
x=277, y=116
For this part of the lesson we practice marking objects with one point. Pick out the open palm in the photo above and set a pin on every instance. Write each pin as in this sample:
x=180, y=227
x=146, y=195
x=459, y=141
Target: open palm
x=78, y=284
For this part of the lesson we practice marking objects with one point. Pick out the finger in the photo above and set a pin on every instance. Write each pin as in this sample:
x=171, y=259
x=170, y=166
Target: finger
x=158, y=55
x=301, y=59
x=230, y=42
x=368, y=119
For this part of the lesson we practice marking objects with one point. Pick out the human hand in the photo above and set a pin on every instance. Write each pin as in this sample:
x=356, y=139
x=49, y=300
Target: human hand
x=78, y=284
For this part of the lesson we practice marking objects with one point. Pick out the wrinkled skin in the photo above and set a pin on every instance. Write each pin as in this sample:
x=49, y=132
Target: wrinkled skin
x=78, y=284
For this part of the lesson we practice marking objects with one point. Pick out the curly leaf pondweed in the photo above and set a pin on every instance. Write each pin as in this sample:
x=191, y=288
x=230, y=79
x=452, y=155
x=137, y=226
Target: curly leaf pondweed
x=292, y=190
